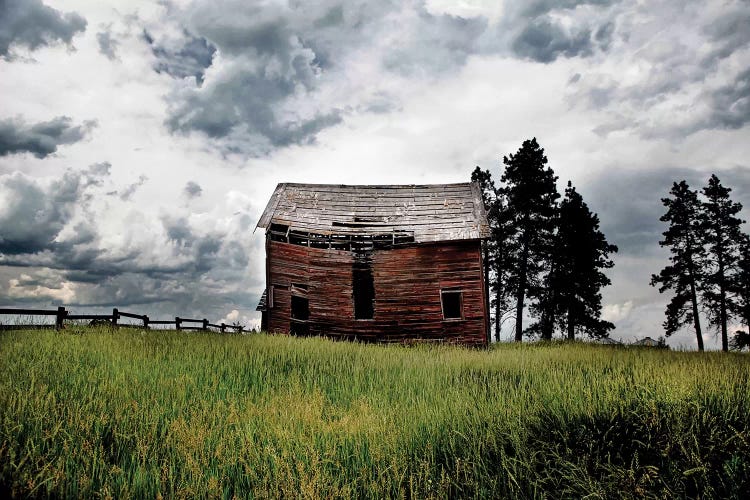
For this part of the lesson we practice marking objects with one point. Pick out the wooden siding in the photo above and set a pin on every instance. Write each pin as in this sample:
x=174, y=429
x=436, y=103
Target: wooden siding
x=407, y=284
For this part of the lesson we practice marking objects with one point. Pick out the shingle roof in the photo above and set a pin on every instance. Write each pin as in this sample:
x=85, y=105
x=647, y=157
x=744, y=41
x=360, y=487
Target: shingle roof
x=433, y=212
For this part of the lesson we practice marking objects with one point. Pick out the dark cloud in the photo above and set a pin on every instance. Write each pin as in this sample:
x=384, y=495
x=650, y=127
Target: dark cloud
x=31, y=24
x=32, y=216
x=544, y=41
x=192, y=190
x=629, y=205
x=729, y=32
x=730, y=104
x=540, y=36
x=629, y=201
x=246, y=103
x=40, y=139
x=107, y=44
x=178, y=231
x=189, y=59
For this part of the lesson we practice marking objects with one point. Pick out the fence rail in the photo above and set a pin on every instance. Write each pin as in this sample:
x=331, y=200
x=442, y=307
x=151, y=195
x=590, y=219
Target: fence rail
x=62, y=315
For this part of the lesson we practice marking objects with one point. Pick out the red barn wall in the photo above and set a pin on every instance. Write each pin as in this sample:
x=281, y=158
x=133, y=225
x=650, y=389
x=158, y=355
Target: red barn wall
x=407, y=284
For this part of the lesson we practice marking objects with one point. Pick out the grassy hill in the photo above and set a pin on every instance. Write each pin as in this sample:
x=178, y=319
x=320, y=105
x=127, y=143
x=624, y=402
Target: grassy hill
x=130, y=413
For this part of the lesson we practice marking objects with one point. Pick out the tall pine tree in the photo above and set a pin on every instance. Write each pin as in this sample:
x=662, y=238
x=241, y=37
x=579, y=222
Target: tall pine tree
x=489, y=197
x=498, y=248
x=504, y=248
x=531, y=195
x=581, y=253
x=684, y=239
x=723, y=236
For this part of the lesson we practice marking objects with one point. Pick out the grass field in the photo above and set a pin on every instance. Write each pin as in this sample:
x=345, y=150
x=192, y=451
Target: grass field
x=93, y=412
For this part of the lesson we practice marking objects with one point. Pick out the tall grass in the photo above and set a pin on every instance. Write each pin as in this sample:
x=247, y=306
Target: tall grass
x=94, y=412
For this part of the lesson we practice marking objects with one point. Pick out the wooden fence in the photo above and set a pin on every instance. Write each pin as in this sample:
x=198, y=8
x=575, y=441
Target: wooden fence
x=61, y=315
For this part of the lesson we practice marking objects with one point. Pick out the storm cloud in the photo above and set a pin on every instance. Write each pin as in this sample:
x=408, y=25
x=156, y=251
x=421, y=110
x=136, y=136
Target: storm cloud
x=181, y=58
x=40, y=139
x=31, y=24
x=32, y=215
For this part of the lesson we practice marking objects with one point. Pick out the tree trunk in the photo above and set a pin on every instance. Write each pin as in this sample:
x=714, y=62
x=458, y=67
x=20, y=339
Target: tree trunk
x=521, y=293
x=498, y=290
x=571, y=320
x=497, y=313
x=548, y=311
x=723, y=304
x=694, y=299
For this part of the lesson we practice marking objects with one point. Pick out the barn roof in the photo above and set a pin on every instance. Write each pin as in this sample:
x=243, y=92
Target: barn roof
x=432, y=212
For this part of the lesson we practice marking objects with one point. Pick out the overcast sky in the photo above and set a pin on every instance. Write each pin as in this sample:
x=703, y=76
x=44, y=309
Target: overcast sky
x=140, y=141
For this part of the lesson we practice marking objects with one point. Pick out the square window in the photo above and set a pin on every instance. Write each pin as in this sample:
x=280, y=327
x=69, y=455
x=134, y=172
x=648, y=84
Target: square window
x=452, y=302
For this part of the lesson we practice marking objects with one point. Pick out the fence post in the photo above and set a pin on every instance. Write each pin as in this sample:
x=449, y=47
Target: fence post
x=145, y=322
x=115, y=316
x=60, y=317
x=205, y=324
x=223, y=327
x=177, y=321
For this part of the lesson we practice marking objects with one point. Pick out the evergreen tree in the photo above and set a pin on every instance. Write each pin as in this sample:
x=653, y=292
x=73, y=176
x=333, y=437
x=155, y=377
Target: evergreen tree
x=489, y=198
x=504, y=249
x=497, y=249
x=531, y=195
x=576, y=278
x=688, y=257
x=723, y=236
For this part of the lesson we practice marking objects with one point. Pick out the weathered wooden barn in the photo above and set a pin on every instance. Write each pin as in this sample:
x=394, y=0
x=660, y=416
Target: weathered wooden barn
x=376, y=263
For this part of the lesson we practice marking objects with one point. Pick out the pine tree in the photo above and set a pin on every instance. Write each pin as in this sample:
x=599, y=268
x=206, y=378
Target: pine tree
x=504, y=248
x=489, y=198
x=581, y=253
x=688, y=257
x=722, y=236
x=531, y=194
x=497, y=249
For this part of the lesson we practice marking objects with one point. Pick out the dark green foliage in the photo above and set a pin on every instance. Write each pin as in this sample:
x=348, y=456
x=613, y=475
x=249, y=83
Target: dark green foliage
x=551, y=256
x=684, y=238
x=573, y=300
x=739, y=341
x=722, y=235
x=531, y=194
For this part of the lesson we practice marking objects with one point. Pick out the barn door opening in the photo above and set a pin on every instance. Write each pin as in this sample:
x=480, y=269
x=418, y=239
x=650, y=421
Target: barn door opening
x=300, y=311
x=363, y=287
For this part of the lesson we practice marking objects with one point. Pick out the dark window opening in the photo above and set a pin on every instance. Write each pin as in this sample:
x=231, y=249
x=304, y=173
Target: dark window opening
x=300, y=315
x=300, y=308
x=452, y=302
x=364, y=290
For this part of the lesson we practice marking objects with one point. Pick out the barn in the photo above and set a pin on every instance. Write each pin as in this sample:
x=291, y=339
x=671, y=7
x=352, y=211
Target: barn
x=395, y=263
